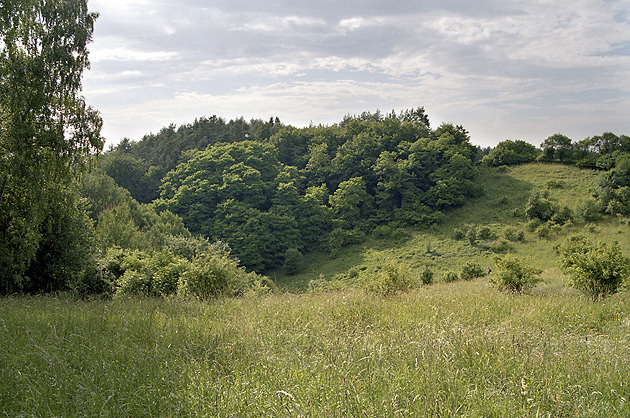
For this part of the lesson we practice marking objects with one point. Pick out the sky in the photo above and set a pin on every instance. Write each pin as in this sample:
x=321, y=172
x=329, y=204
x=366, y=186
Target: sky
x=503, y=69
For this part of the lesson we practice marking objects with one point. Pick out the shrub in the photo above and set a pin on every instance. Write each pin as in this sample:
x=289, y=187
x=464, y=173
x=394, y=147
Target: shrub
x=471, y=270
x=154, y=275
x=459, y=234
x=450, y=276
x=339, y=238
x=510, y=152
x=471, y=235
x=540, y=207
x=562, y=215
x=211, y=275
x=598, y=270
x=514, y=275
x=133, y=283
x=293, y=260
x=426, y=276
x=513, y=234
x=485, y=233
x=500, y=246
x=392, y=277
x=589, y=210
x=186, y=247
x=390, y=232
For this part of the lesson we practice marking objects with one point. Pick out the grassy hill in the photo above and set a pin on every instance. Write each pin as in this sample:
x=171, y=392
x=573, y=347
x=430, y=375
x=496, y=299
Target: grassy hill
x=501, y=211
x=460, y=349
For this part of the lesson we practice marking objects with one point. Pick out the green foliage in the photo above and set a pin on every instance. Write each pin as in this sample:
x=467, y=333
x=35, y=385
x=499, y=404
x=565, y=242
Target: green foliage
x=472, y=235
x=391, y=277
x=293, y=260
x=134, y=226
x=66, y=249
x=188, y=247
x=598, y=270
x=513, y=275
x=321, y=187
x=541, y=208
x=589, y=210
x=510, y=152
x=390, y=232
x=459, y=234
x=215, y=274
x=614, y=193
x=150, y=275
x=339, y=238
x=557, y=148
x=471, y=270
x=134, y=175
x=513, y=234
x=426, y=277
x=211, y=272
x=351, y=203
x=450, y=277
x=47, y=135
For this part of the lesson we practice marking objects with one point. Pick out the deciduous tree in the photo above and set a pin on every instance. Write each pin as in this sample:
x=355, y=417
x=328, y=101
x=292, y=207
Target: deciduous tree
x=47, y=132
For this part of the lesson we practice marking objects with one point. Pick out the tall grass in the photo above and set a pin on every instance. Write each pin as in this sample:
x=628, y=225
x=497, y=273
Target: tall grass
x=448, y=350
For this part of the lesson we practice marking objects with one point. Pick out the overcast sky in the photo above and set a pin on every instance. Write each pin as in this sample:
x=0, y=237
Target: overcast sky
x=502, y=69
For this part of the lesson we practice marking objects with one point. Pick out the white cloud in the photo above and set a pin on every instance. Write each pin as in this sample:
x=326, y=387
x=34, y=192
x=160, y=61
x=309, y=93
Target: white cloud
x=495, y=67
x=123, y=53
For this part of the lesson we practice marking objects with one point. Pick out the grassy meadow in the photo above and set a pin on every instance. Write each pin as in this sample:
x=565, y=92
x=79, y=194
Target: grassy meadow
x=448, y=350
x=460, y=349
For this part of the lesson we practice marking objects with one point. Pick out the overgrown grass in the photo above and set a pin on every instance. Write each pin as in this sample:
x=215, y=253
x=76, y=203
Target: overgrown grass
x=448, y=350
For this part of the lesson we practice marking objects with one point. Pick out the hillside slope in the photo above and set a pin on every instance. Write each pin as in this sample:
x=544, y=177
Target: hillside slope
x=499, y=215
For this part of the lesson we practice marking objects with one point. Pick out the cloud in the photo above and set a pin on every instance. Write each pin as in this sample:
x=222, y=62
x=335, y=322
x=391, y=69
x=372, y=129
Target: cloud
x=129, y=54
x=517, y=69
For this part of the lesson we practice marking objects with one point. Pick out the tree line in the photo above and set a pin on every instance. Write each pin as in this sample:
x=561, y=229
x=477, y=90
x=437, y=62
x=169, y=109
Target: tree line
x=608, y=152
x=276, y=188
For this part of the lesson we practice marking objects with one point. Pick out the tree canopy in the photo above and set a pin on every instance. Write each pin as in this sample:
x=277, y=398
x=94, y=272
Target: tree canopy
x=321, y=187
x=47, y=132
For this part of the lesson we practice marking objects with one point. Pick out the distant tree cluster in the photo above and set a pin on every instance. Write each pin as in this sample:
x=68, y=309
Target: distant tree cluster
x=321, y=187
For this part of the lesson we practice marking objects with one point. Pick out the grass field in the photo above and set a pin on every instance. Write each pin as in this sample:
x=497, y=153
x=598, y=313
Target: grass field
x=448, y=350
x=459, y=349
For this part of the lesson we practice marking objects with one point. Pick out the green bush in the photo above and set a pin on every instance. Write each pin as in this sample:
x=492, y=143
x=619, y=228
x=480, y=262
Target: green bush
x=472, y=235
x=133, y=282
x=539, y=207
x=459, y=234
x=450, y=276
x=390, y=232
x=589, y=210
x=293, y=260
x=514, y=275
x=211, y=275
x=598, y=270
x=392, y=277
x=426, y=276
x=150, y=275
x=513, y=234
x=339, y=238
x=500, y=246
x=485, y=233
x=471, y=270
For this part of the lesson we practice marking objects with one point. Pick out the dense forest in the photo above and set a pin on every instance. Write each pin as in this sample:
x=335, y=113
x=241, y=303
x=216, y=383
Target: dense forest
x=266, y=189
x=205, y=208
